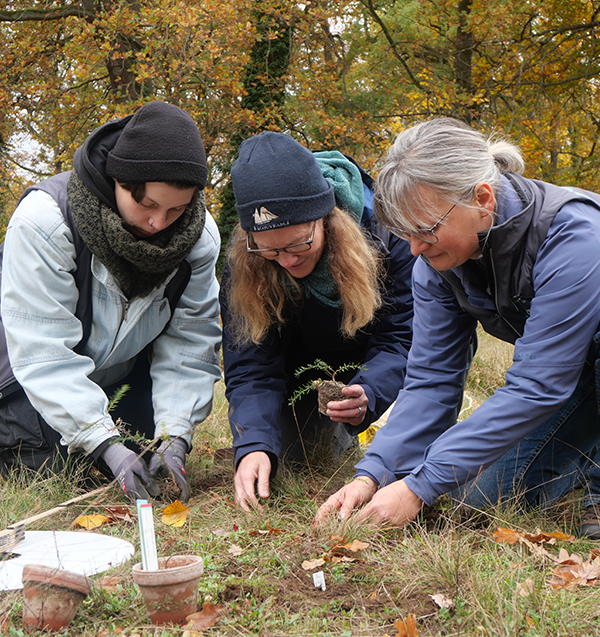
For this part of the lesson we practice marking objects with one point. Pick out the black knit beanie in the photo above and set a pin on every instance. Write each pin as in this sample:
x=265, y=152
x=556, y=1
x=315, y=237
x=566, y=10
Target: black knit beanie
x=161, y=142
x=277, y=182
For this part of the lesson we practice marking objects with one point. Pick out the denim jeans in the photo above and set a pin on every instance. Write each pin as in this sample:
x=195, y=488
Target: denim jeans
x=562, y=454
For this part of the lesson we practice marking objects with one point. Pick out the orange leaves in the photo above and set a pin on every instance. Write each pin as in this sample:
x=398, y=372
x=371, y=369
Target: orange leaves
x=406, y=626
x=510, y=536
x=571, y=571
x=175, y=514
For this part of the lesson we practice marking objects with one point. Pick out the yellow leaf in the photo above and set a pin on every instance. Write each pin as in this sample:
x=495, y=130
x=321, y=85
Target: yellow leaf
x=175, y=514
x=355, y=545
x=91, y=521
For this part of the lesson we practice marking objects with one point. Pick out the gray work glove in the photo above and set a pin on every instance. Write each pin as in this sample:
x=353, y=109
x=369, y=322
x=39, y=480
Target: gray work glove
x=130, y=471
x=169, y=459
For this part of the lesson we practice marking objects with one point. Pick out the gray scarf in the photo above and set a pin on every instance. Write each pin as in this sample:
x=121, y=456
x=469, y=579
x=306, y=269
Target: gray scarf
x=139, y=265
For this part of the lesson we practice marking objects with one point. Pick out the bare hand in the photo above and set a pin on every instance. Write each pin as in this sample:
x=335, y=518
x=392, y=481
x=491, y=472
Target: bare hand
x=395, y=504
x=354, y=494
x=252, y=476
x=352, y=410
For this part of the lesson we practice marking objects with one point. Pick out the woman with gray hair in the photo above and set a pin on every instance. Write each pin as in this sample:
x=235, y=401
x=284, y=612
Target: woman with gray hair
x=519, y=256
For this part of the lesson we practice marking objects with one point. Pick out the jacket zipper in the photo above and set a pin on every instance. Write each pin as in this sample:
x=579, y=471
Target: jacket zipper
x=125, y=309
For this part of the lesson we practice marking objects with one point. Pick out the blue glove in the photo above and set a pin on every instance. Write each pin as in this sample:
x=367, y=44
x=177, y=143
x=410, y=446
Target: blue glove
x=169, y=459
x=131, y=472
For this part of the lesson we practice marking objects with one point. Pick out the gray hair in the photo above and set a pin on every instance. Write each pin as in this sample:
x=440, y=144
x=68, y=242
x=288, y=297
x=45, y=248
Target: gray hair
x=442, y=154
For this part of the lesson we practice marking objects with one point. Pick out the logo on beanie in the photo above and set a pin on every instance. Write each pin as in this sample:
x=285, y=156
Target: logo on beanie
x=263, y=215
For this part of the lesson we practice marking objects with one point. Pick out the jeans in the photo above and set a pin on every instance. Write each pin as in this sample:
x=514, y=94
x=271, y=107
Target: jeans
x=562, y=454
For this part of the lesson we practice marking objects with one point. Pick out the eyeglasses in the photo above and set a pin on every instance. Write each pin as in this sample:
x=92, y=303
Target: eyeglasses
x=273, y=253
x=427, y=236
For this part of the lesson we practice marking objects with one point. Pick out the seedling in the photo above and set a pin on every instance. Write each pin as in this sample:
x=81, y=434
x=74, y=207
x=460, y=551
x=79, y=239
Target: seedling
x=329, y=389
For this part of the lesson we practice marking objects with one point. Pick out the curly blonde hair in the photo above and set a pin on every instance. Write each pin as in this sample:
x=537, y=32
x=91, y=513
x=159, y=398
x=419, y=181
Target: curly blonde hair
x=261, y=294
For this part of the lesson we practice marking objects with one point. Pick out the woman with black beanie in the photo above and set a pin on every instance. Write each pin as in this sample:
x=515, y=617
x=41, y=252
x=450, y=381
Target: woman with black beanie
x=108, y=279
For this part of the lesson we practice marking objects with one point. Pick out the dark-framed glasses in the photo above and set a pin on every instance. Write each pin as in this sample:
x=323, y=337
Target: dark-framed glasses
x=273, y=253
x=427, y=235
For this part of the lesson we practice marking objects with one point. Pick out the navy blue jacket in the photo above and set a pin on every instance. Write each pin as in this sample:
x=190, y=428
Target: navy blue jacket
x=257, y=377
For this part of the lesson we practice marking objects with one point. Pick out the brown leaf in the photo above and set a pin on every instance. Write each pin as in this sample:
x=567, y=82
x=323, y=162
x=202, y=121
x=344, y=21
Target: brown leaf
x=355, y=545
x=206, y=618
x=529, y=621
x=118, y=513
x=308, y=565
x=110, y=583
x=526, y=588
x=407, y=626
x=235, y=550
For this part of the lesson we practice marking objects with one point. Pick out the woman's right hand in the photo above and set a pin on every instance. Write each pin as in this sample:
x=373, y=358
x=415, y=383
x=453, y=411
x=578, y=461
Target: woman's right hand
x=252, y=477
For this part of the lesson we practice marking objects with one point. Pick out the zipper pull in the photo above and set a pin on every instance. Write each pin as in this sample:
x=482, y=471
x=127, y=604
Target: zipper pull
x=125, y=310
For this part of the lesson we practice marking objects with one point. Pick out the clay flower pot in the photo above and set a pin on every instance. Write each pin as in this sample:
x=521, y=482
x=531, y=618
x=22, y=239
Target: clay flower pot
x=329, y=390
x=51, y=596
x=171, y=593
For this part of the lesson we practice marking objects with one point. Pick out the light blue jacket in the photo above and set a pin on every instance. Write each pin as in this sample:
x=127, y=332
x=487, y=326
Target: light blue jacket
x=39, y=297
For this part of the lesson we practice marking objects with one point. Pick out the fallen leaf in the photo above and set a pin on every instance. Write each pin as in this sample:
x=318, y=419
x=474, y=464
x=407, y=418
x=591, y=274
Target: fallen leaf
x=506, y=536
x=220, y=532
x=573, y=571
x=308, y=565
x=269, y=530
x=191, y=633
x=526, y=588
x=119, y=514
x=206, y=618
x=235, y=550
x=355, y=545
x=407, y=626
x=175, y=514
x=443, y=601
x=337, y=559
x=110, y=583
x=373, y=596
x=91, y=521
x=529, y=621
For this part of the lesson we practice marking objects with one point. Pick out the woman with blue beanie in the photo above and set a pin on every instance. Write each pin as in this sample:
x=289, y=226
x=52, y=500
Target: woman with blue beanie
x=309, y=275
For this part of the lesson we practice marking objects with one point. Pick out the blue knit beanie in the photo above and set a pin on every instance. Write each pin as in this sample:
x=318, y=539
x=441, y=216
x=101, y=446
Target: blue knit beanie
x=277, y=183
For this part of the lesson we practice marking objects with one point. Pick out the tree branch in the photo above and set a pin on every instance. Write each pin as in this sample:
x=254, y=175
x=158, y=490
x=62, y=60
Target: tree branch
x=58, y=13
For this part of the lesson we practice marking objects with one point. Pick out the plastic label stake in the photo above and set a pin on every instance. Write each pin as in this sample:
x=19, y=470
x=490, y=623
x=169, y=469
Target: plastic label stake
x=147, y=536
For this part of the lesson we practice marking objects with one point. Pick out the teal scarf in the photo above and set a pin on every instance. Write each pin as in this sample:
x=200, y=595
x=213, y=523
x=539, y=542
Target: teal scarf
x=347, y=184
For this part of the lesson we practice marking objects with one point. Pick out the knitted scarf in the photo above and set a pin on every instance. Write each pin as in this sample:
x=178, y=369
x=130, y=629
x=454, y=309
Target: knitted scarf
x=347, y=184
x=139, y=265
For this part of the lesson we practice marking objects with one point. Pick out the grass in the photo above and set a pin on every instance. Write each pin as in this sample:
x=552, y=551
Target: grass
x=265, y=590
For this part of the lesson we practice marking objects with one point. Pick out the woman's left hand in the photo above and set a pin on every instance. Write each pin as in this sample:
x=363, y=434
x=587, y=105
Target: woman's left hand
x=394, y=504
x=352, y=410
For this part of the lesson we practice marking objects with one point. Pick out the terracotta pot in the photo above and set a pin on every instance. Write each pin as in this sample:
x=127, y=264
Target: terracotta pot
x=171, y=593
x=51, y=596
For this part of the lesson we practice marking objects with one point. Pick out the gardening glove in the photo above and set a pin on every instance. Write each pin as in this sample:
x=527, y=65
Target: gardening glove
x=131, y=472
x=169, y=459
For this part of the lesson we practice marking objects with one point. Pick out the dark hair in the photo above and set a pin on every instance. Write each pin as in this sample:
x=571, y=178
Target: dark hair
x=138, y=191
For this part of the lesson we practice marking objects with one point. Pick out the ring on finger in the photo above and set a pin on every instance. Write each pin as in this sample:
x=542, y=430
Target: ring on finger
x=359, y=411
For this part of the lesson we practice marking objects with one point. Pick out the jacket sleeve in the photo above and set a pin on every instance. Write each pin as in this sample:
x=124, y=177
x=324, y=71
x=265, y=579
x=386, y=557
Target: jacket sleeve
x=389, y=344
x=256, y=388
x=547, y=364
x=185, y=364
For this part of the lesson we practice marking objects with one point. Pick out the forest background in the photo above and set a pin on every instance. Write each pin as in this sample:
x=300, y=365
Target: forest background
x=334, y=74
